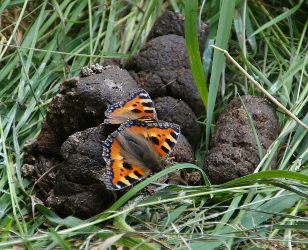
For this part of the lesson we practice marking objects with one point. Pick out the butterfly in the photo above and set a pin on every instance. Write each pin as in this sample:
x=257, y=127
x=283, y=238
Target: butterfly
x=140, y=145
x=138, y=106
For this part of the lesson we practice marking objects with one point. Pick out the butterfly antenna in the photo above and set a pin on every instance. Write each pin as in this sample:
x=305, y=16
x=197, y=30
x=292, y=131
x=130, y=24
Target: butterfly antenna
x=167, y=84
x=172, y=109
x=175, y=104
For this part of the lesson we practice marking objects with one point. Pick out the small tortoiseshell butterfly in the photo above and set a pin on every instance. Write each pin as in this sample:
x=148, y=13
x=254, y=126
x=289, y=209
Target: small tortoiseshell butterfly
x=140, y=144
x=138, y=106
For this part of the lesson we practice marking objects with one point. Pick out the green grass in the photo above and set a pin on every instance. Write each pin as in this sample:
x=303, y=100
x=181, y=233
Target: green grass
x=44, y=43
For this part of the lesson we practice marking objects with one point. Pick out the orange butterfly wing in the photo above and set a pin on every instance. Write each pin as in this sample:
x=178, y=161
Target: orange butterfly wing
x=163, y=135
x=123, y=170
x=138, y=105
x=120, y=174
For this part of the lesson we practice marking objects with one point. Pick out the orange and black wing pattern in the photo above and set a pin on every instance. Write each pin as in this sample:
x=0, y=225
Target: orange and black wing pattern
x=162, y=135
x=138, y=106
x=121, y=169
x=120, y=174
x=135, y=150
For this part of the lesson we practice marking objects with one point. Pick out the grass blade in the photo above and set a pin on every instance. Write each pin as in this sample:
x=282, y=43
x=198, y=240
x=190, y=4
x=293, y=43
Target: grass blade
x=253, y=128
x=278, y=18
x=58, y=240
x=191, y=37
x=222, y=37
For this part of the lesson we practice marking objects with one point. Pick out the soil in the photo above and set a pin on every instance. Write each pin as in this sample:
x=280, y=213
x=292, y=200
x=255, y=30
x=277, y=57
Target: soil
x=180, y=113
x=234, y=151
x=162, y=68
x=81, y=101
x=173, y=23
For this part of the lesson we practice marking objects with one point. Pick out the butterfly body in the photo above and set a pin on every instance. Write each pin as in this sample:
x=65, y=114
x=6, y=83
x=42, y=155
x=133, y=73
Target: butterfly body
x=139, y=146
